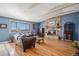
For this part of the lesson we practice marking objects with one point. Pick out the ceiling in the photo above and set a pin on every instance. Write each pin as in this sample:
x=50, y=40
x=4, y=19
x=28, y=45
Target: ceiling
x=36, y=12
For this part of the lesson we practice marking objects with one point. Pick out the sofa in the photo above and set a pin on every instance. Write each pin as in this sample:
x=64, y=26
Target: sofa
x=24, y=41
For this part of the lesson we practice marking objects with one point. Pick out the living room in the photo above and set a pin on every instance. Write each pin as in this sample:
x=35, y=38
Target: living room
x=38, y=29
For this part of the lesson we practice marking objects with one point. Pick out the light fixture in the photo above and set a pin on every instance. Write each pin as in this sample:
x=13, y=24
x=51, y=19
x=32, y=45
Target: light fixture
x=51, y=22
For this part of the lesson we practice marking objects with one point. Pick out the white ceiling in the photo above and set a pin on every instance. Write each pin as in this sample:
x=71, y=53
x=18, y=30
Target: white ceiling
x=36, y=12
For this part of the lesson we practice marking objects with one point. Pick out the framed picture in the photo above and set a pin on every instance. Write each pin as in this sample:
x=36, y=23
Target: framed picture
x=3, y=26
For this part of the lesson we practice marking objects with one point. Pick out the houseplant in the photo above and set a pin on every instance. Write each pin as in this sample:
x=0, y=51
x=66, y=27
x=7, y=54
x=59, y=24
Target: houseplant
x=11, y=38
x=76, y=46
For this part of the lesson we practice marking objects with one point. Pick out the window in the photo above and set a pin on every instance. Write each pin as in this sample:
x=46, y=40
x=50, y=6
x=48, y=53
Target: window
x=13, y=26
x=19, y=25
x=27, y=26
x=22, y=26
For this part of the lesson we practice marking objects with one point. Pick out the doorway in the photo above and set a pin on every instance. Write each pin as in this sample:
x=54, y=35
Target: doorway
x=69, y=29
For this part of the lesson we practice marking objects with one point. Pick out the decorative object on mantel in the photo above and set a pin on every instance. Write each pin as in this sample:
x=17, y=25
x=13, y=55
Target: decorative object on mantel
x=3, y=26
x=58, y=25
x=76, y=46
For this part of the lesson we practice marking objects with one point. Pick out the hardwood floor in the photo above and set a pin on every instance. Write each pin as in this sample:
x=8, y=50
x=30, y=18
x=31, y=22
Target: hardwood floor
x=51, y=47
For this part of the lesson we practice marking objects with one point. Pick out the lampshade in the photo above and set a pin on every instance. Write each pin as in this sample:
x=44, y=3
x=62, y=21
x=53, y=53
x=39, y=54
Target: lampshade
x=18, y=30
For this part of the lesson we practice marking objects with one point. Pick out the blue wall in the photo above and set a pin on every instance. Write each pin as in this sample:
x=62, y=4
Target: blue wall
x=78, y=27
x=73, y=17
x=4, y=33
x=36, y=27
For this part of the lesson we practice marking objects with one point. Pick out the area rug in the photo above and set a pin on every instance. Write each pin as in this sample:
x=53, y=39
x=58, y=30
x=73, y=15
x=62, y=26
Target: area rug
x=7, y=50
x=3, y=50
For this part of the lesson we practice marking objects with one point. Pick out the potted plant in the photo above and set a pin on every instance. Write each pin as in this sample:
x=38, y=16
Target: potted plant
x=76, y=46
x=11, y=38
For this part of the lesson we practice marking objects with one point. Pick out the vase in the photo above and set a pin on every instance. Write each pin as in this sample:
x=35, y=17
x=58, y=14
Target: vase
x=76, y=51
